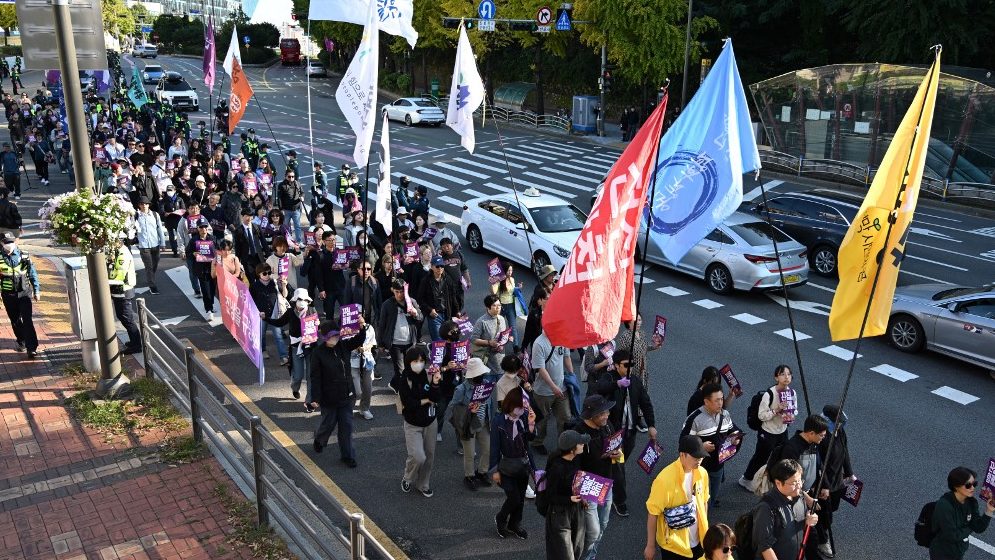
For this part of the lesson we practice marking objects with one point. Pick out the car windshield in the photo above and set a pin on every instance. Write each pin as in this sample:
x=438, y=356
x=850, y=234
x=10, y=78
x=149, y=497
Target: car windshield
x=424, y=104
x=557, y=219
x=959, y=292
x=758, y=233
x=153, y=68
x=178, y=85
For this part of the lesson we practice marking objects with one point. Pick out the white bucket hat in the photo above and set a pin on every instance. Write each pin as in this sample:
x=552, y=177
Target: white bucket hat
x=301, y=294
x=475, y=368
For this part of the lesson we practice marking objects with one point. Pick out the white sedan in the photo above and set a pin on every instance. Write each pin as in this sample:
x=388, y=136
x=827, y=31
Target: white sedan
x=497, y=224
x=414, y=110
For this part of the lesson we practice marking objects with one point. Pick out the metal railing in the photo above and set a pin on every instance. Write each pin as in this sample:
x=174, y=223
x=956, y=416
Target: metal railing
x=863, y=175
x=521, y=118
x=287, y=496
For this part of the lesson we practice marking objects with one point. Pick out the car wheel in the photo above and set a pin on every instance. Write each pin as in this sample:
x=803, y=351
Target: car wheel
x=474, y=239
x=719, y=279
x=824, y=260
x=539, y=261
x=407, y=120
x=906, y=333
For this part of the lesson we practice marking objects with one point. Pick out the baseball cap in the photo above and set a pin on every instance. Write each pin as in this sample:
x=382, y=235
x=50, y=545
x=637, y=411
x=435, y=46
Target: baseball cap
x=438, y=261
x=8, y=237
x=570, y=439
x=203, y=222
x=693, y=446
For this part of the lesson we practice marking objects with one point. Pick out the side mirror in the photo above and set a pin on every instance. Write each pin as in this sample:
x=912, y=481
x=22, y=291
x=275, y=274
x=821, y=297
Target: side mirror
x=953, y=307
x=520, y=225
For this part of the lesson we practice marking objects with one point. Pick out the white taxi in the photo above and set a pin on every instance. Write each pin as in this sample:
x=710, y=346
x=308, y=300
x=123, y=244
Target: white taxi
x=499, y=224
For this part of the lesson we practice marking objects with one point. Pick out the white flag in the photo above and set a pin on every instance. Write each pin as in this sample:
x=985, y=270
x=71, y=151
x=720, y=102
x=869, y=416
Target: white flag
x=466, y=93
x=357, y=92
x=383, y=185
x=233, y=51
x=394, y=15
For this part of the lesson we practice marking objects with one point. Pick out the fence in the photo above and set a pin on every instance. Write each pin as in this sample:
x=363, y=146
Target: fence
x=287, y=496
x=863, y=175
x=521, y=118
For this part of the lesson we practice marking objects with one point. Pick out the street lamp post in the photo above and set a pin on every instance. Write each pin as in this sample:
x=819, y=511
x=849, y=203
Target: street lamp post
x=687, y=56
x=112, y=382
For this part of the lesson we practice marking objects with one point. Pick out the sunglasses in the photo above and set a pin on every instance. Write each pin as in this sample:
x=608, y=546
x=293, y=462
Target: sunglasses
x=265, y=273
x=970, y=485
x=728, y=549
x=625, y=364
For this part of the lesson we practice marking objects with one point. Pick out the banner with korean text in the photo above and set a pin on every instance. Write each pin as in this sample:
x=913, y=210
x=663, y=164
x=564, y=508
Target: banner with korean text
x=241, y=317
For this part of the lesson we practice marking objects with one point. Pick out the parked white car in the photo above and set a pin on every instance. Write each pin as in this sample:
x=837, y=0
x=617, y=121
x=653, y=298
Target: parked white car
x=414, y=110
x=499, y=224
x=172, y=89
x=145, y=51
x=315, y=68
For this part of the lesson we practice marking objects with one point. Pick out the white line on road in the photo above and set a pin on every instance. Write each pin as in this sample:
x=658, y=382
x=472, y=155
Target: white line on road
x=553, y=180
x=519, y=183
x=823, y=288
x=937, y=217
x=938, y=263
x=959, y=397
x=982, y=545
x=894, y=373
x=523, y=158
x=599, y=172
x=707, y=303
x=474, y=193
x=442, y=175
x=748, y=319
x=501, y=161
x=980, y=258
x=181, y=278
x=786, y=333
x=839, y=352
x=672, y=291
x=419, y=181
x=528, y=153
x=461, y=170
x=586, y=180
x=558, y=151
x=930, y=278
x=451, y=200
x=481, y=166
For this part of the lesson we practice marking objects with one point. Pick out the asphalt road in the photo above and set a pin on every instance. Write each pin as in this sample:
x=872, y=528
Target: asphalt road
x=912, y=417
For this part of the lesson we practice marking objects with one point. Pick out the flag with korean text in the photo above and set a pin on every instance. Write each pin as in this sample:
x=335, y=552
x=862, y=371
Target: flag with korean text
x=357, y=92
x=393, y=16
x=238, y=100
x=466, y=93
x=136, y=91
x=209, y=54
x=383, y=209
x=595, y=291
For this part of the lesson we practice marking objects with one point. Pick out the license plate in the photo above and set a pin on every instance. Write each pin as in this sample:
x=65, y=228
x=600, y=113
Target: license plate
x=792, y=279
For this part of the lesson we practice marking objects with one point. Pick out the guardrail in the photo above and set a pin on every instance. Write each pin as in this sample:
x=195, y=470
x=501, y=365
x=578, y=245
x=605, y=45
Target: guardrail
x=287, y=497
x=863, y=175
x=522, y=118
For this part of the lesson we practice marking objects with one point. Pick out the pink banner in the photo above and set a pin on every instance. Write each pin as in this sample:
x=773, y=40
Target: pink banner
x=241, y=317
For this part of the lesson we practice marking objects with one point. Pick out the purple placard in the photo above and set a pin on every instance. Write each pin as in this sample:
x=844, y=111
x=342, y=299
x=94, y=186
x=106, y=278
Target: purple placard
x=350, y=320
x=730, y=446
x=341, y=261
x=461, y=353
x=410, y=252
x=732, y=380
x=613, y=442
x=790, y=405
x=504, y=337
x=436, y=353
x=310, y=239
x=309, y=328
x=205, y=250
x=464, y=324
x=482, y=391
x=988, y=487
x=250, y=185
x=241, y=317
x=494, y=272
x=429, y=234
x=659, y=330
x=539, y=477
x=591, y=487
x=853, y=491
x=397, y=263
x=649, y=457
x=283, y=267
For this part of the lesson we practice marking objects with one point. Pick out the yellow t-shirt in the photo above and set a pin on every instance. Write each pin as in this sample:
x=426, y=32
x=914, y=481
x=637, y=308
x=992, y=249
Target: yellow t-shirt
x=667, y=492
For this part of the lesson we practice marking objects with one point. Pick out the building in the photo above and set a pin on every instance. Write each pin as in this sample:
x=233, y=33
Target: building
x=219, y=9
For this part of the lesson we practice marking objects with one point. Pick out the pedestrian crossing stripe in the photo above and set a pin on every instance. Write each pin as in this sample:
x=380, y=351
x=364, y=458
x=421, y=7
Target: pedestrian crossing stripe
x=550, y=179
x=567, y=174
x=500, y=161
x=419, y=181
x=523, y=158
x=987, y=232
x=530, y=153
x=461, y=170
x=599, y=172
x=480, y=165
x=519, y=184
x=442, y=175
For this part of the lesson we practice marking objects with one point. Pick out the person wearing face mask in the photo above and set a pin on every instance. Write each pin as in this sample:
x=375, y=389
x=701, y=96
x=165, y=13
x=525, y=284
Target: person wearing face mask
x=397, y=327
x=420, y=394
x=300, y=352
x=332, y=388
x=511, y=367
x=18, y=286
x=476, y=440
x=511, y=430
x=566, y=531
x=452, y=375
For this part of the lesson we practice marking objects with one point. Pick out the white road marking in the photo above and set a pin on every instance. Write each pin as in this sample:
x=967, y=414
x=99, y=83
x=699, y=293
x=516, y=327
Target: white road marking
x=754, y=193
x=982, y=545
x=987, y=255
x=520, y=183
x=481, y=166
x=748, y=319
x=894, y=373
x=982, y=257
x=672, y=291
x=959, y=397
x=938, y=263
x=442, y=175
x=935, y=234
x=987, y=232
x=823, y=288
x=608, y=161
x=586, y=180
x=707, y=303
x=531, y=153
x=418, y=181
x=552, y=179
x=599, y=172
x=918, y=213
x=500, y=161
x=451, y=200
x=181, y=278
x=930, y=278
x=839, y=352
x=557, y=151
x=646, y=280
x=474, y=193
x=461, y=170
x=786, y=333
x=802, y=305
x=523, y=158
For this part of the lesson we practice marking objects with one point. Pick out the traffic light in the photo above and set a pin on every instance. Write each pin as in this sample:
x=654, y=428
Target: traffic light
x=450, y=23
x=606, y=80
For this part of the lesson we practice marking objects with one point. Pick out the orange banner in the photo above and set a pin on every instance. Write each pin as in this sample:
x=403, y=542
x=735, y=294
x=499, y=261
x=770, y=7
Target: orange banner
x=241, y=92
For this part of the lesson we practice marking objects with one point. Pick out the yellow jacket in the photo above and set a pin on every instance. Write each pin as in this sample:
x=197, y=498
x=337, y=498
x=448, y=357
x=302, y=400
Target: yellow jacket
x=667, y=492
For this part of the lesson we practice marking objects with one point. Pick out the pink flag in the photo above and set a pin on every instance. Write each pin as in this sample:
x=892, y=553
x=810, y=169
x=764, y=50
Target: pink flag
x=209, y=55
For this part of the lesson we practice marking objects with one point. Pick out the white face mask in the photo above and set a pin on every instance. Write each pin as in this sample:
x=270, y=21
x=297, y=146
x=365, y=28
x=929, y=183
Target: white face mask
x=417, y=367
x=9, y=247
x=301, y=304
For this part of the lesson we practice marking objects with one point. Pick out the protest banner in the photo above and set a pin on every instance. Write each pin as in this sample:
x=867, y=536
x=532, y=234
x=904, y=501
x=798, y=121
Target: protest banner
x=354, y=253
x=613, y=442
x=350, y=320
x=240, y=316
x=341, y=261
x=504, y=337
x=283, y=267
x=464, y=324
x=732, y=380
x=591, y=487
x=649, y=457
x=436, y=353
x=539, y=478
x=988, y=486
x=790, y=409
x=429, y=234
x=853, y=491
x=730, y=446
x=460, y=353
x=659, y=330
x=494, y=272
x=204, y=250
x=250, y=185
x=309, y=328
x=397, y=263
x=410, y=252
x=310, y=239
x=482, y=392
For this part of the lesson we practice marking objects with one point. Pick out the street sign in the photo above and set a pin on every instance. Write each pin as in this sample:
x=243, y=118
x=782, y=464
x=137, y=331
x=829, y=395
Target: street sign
x=39, y=44
x=245, y=39
x=544, y=16
x=486, y=25
x=563, y=20
x=486, y=9
x=146, y=29
x=543, y=28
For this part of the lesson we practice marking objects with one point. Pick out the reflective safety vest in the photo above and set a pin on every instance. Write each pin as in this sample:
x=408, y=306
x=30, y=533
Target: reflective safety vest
x=15, y=277
x=118, y=268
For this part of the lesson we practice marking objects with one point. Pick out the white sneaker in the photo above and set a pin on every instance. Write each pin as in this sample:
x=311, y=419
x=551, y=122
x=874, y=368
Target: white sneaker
x=530, y=493
x=367, y=415
x=266, y=354
x=748, y=484
x=438, y=436
x=826, y=550
x=210, y=316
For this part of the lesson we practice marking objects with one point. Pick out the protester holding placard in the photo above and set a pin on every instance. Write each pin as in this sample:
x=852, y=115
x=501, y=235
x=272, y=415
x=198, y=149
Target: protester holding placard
x=301, y=321
x=713, y=424
x=420, y=394
x=511, y=378
x=439, y=298
x=202, y=245
x=270, y=298
x=603, y=451
x=456, y=356
x=276, y=228
x=773, y=429
x=456, y=269
x=551, y=363
x=677, y=514
x=487, y=330
x=363, y=365
x=957, y=514
x=803, y=447
x=285, y=265
x=597, y=359
x=512, y=427
x=473, y=417
x=639, y=349
x=566, y=526
x=397, y=327
x=362, y=288
x=839, y=473
x=329, y=279
x=507, y=290
x=333, y=388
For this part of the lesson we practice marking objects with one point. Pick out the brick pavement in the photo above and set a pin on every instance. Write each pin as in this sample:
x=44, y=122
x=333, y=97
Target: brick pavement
x=69, y=492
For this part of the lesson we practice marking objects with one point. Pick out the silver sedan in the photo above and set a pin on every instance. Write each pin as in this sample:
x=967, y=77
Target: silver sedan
x=957, y=321
x=739, y=254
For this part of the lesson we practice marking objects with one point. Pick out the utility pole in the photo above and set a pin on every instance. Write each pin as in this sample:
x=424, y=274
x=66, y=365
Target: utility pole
x=687, y=56
x=601, y=91
x=112, y=382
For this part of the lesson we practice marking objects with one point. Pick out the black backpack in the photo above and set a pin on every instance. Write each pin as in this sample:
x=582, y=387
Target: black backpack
x=753, y=411
x=924, y=525
x=743, y=529
x=542, y=497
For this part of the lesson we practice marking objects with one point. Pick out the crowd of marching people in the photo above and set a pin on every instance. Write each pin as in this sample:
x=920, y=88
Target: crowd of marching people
x=306, y=244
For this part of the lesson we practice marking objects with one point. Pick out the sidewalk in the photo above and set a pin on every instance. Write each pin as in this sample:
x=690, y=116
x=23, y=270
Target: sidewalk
x=71, y=492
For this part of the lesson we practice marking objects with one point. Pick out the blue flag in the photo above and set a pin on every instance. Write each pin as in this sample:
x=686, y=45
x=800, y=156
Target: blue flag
x=701, y=162
x=137, y=93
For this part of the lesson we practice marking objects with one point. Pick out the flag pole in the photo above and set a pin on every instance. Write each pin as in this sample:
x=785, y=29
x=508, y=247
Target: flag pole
x=270, y=128
x=934, y=68
x=307, y=76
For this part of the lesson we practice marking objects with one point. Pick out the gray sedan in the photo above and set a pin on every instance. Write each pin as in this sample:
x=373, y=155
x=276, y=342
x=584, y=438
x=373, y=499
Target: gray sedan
x=739, y=254
x=954, y=320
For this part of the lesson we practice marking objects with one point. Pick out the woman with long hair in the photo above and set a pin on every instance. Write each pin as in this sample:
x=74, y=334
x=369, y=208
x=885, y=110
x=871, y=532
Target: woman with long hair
x=505, y=291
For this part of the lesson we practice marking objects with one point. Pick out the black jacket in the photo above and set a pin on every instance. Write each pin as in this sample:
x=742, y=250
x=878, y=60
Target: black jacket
x=412, y=388
x=439, y=295
x=774, y=524
x=10, y=217
x=242, y=244
x=559, y=480
x=593, y=458
x=387, y=321
x=290, y=195
x=368, y=297
x=328, y=279
x=838, y=467
x=606, y=384
x=331, y=375
x=264, y=296
x=145, y=187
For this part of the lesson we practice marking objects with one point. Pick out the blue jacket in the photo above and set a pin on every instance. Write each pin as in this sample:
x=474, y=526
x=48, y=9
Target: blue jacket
x=10, y=163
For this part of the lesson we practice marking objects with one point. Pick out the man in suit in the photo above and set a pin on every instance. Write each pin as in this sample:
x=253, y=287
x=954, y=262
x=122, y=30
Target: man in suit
x=248, y=243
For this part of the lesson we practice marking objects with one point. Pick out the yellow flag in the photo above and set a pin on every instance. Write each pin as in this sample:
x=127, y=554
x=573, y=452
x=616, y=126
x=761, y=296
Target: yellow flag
x=865, y=256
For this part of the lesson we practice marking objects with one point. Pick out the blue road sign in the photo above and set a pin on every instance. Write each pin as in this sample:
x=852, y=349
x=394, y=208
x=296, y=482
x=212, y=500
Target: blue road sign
x=563, y=21
x=486, y=9
x=245, y=39
x=146, y=29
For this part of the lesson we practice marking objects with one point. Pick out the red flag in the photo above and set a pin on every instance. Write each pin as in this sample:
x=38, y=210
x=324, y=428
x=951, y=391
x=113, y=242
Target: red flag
x=595, y=291
x=241, y=92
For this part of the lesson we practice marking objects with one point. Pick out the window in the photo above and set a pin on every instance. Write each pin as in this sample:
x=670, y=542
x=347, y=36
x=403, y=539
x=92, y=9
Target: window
x=558, y=219
x=516, y=217
x=783, y=206
x=496, y=208
x=718, y=237
x=425, y=104
x=759, y=233
x=403, y=103
x=980, y=307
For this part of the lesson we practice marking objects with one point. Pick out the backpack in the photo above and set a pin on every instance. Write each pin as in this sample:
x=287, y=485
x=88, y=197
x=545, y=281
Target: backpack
x=761, y=480
x=743, y=529
x=753, y=411
x=924, y=525
x=542, y=496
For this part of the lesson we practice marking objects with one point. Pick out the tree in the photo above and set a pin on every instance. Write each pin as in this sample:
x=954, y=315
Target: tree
x=141, y=14
x=118, y=19
x=8, y=20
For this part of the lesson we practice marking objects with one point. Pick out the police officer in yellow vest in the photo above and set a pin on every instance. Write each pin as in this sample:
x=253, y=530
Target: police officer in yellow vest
x=18, y=284
x=121, y=277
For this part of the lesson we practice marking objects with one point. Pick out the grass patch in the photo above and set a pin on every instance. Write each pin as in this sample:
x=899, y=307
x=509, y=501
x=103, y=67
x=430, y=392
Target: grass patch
x=181, y=449
x=103, y=416
x=261, y=540
x=79, y=377
x=147, y=409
